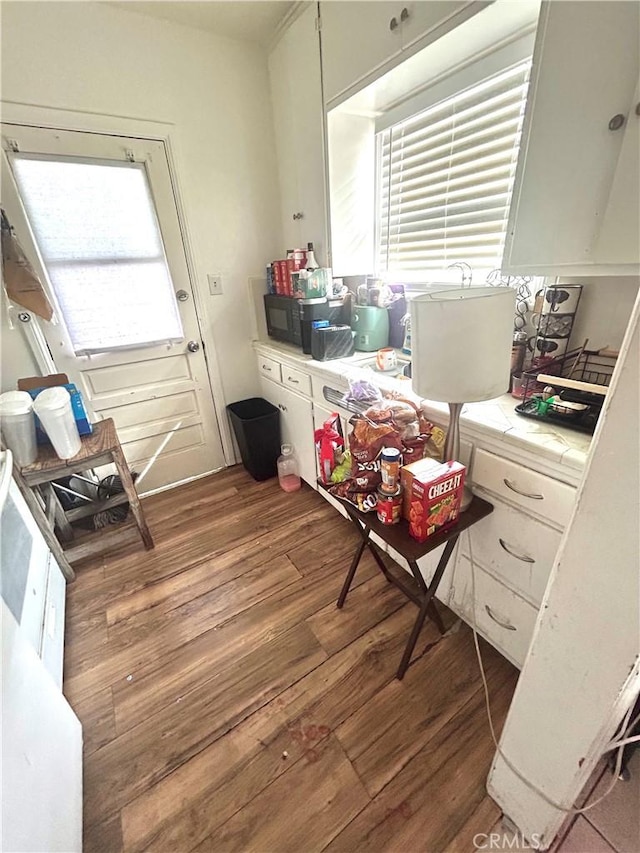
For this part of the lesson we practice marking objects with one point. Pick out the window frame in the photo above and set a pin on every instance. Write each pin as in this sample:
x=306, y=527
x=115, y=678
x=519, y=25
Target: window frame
x=141, y=168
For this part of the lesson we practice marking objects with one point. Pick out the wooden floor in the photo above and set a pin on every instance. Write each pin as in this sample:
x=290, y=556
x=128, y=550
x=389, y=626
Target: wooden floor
x=228, y=705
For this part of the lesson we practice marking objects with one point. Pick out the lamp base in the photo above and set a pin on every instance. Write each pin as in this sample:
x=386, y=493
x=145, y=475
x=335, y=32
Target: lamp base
x=452, y=448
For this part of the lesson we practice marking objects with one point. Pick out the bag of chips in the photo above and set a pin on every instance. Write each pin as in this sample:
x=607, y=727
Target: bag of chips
x=397, y=423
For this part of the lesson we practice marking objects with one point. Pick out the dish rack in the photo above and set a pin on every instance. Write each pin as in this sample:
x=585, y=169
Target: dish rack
x=579, y=377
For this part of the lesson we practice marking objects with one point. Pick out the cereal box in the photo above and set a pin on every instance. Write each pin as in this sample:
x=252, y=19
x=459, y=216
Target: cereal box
x=407, y=473
x=436, y=492
x=277, y=278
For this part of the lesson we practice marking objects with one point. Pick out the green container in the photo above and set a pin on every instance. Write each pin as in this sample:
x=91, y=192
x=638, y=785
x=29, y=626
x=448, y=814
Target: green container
x=316, y=285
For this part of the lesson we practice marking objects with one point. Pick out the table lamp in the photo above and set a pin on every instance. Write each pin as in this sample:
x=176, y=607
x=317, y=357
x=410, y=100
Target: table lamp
x=461, y=351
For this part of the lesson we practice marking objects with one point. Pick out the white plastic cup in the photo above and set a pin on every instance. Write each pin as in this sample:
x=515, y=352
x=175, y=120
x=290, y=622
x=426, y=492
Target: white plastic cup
x=53, y=407
x=19, y=426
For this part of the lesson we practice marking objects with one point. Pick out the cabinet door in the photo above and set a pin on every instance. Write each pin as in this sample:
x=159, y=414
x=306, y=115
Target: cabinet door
x=270, y=391
x=585, y=71
x=296, y=425
x=422, y=19
x=359, y=42
x=619, y=241
x=283, y=118
x=296, y=91
x=356, y=39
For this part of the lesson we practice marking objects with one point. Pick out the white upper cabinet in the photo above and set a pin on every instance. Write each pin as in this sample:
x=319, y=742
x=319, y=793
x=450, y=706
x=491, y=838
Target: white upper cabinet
x=356, y=39
x=362, y=39
x=296, y=93
x=577, y=190
x=619, y=237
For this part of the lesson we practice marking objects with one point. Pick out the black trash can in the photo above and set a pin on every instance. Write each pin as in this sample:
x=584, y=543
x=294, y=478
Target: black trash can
x=256, y=424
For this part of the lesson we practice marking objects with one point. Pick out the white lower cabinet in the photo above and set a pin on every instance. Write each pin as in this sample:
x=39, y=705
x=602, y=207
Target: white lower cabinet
x=513, y=552
x=517, y=549
x=296, y=424
x=500, y=615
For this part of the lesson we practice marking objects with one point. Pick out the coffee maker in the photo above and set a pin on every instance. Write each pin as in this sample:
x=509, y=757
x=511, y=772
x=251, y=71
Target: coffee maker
x=335, y=312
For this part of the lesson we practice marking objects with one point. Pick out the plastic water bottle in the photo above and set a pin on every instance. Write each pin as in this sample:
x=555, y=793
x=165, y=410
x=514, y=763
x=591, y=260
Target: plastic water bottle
x=288, y=475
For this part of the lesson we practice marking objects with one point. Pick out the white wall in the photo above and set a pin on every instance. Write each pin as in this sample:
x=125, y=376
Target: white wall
x=352, y=168
x=94, y=58
x=604, y=310
x=16, y=358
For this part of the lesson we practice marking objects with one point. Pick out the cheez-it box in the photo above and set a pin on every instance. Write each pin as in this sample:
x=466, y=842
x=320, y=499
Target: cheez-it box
x=436, y=493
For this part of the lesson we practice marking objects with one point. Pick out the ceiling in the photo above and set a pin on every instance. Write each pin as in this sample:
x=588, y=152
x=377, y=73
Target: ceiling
x=247, y=20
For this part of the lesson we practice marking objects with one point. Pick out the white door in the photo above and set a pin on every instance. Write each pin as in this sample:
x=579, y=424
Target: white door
x=97, y=215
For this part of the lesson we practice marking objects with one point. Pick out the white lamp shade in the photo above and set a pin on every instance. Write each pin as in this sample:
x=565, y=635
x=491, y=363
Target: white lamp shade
x=461, y=343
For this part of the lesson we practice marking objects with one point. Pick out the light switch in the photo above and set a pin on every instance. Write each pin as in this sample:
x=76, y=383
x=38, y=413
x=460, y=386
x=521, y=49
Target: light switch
x=215, y=284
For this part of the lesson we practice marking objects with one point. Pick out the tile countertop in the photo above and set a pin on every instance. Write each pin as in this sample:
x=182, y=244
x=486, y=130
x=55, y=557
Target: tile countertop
x=552, y=449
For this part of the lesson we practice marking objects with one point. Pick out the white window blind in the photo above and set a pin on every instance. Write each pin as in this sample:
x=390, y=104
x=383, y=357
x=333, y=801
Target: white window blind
x=96, y=229
x=445, y=178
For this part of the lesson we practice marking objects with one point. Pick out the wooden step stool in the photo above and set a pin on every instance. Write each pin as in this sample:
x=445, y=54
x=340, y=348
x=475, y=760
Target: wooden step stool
x=100, y=448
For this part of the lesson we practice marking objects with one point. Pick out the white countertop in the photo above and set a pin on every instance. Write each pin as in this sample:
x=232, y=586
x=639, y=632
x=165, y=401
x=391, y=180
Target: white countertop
x=554, y=449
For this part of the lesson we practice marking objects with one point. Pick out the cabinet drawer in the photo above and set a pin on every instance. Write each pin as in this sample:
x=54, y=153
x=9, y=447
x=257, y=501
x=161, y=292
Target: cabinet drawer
x=534, y=492
x=300, y=382
x=269, y=368
x=516, y=548
x=502, y=617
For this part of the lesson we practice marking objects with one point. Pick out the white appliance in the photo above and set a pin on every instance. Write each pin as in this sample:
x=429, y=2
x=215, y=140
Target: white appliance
x=41, y=759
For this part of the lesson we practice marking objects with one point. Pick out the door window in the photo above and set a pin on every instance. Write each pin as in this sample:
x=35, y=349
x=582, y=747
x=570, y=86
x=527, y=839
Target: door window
x=95, y=226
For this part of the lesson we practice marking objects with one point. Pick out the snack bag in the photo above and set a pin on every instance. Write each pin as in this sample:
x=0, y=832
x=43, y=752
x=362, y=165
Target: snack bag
x=396, y=423
x=329, y=447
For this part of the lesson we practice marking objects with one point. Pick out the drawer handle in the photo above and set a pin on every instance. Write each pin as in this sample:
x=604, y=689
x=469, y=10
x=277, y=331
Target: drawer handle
x=523, y=557
x=268, y=369
x=506, y=625
x=513, y=488
x=292, y=380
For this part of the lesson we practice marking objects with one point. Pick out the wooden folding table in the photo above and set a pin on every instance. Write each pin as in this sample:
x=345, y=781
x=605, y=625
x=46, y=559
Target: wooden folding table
x=397, y=537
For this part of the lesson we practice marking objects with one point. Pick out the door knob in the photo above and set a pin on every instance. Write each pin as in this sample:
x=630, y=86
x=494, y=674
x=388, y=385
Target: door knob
x=182, y=295
x=193, y=346
x=617, y=121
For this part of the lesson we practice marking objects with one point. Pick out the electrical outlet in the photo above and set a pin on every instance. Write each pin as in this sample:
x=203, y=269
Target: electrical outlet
x=215, y=284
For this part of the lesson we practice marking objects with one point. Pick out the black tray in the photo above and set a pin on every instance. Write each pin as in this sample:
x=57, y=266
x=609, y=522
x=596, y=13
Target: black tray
x=581, y=421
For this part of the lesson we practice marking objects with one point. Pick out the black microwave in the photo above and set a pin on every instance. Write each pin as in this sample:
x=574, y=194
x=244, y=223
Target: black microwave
x=283, y=318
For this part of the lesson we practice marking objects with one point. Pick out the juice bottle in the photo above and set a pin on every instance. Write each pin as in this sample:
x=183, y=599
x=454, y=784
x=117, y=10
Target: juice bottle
x=288, y=475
